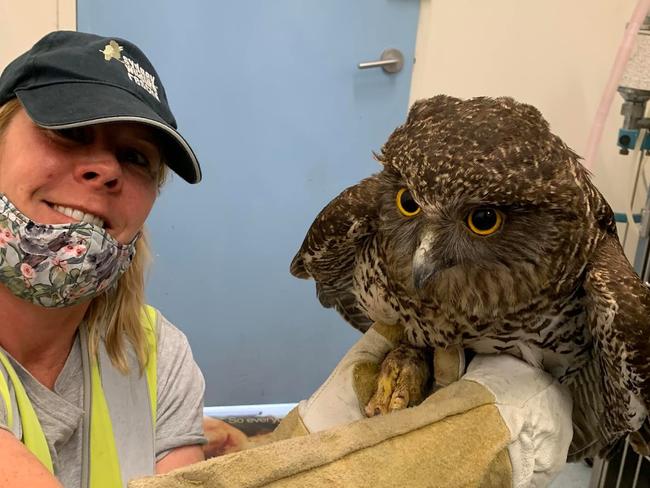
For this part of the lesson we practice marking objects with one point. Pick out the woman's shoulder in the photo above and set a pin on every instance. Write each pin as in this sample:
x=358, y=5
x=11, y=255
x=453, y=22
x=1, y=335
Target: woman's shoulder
x=173, y=347
x=166, y=331
x=178, y=373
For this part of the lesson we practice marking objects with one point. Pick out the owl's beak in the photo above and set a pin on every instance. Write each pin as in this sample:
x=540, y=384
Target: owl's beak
x=422, y=275
x=423, y=267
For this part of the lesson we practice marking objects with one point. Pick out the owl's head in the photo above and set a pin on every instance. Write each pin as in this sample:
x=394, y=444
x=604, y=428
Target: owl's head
x=481, y=207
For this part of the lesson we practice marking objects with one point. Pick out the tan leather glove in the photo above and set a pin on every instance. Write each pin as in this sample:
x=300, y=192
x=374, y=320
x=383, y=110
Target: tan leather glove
x=504, y=423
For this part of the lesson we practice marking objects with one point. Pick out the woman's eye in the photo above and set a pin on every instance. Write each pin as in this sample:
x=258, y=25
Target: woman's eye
x=133, y=156
x=484, y=221
x=406, y=204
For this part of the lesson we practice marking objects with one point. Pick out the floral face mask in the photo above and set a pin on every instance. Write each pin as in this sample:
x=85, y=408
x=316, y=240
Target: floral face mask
x=58, y=265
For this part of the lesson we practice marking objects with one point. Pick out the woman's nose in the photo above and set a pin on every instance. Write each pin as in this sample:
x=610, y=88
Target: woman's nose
x=100, y=169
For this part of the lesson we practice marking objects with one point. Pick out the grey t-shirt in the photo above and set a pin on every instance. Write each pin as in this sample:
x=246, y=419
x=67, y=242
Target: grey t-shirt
x=60, y=412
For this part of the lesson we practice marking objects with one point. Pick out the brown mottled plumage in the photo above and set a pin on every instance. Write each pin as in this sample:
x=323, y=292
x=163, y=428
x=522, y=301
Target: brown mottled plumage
x=551, y=285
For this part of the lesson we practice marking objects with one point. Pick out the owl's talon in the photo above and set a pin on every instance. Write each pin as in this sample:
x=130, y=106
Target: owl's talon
x=398, y=403
x=402, y=381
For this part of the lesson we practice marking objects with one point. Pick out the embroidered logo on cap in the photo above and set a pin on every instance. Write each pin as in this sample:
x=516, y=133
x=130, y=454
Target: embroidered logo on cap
x=136, y=73
x=112, y=50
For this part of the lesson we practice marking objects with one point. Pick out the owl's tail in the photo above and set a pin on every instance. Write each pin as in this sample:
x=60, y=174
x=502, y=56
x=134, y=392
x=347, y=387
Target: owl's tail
x=588, y=409
x=640, y=440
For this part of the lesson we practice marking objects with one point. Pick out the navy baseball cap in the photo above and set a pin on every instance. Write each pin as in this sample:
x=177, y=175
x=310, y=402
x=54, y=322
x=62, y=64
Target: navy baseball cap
x=71, y=79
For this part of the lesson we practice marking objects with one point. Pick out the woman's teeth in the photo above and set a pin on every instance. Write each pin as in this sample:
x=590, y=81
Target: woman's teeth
x=79, y=215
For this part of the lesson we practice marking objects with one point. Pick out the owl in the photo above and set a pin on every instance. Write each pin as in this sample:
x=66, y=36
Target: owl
x=484, y=231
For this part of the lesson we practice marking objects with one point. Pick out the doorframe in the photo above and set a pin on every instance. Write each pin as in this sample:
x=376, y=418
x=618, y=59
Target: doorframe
x=66, y=14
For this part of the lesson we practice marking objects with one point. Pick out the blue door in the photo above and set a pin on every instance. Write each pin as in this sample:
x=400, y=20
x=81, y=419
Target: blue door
x=270, y=97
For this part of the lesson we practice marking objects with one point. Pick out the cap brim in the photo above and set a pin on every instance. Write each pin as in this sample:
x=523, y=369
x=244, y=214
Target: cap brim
x=66, y=105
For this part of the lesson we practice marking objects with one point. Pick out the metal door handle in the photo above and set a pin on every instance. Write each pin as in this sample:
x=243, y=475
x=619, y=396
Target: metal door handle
x=391, y=61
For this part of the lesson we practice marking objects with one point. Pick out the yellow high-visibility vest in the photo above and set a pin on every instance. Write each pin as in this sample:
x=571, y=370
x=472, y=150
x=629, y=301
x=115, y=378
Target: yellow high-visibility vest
x=108, y=443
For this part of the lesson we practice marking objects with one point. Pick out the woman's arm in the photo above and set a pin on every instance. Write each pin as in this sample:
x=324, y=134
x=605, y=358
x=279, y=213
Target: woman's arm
x=20, y=468
x=179, y=429
x=179, y=457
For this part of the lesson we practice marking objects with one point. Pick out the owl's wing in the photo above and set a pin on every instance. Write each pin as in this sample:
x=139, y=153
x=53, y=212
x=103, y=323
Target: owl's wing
x=618, y=313
x=602, y=211
x=328, y=253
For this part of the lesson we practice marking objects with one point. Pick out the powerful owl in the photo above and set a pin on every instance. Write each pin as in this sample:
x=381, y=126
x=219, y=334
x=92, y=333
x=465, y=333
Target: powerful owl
x=484, y=231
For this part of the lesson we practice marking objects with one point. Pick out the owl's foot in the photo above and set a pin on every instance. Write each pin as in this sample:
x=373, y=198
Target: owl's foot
x=403, y=381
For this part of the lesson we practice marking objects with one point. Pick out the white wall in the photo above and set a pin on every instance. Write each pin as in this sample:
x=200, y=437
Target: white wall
x=23, y=22
x=554, y=54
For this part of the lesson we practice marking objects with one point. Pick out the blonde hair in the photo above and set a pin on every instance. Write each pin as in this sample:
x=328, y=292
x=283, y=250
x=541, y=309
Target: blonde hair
x=116, y=314
x=7, y=111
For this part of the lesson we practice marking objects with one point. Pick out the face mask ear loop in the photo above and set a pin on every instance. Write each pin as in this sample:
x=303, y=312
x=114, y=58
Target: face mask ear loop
x=137, y=237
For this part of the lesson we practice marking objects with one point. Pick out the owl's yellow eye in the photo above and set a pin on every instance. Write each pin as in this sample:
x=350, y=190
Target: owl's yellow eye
x=405, y=203
x=484, y=221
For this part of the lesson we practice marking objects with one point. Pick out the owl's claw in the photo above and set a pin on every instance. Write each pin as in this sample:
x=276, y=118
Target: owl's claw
x=402, y=381
x=398, y=402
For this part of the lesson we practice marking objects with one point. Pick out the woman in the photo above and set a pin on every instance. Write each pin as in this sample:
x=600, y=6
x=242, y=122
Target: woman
x=86, y=136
